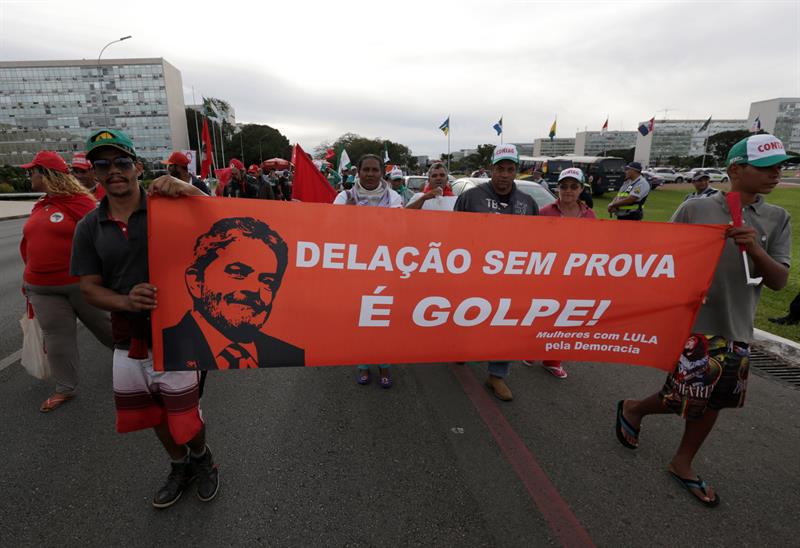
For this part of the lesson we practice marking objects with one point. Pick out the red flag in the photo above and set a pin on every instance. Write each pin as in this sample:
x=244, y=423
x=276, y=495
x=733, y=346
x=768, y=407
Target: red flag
x=309, y=184
x=205, y=167
x=224, y=177
x=605, y=126
x=329, y=155
x=652, y=124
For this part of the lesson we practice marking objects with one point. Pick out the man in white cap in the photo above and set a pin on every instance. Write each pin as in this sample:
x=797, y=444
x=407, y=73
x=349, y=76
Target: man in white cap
x=499, y=195
x=712, y=371
x=399, y=185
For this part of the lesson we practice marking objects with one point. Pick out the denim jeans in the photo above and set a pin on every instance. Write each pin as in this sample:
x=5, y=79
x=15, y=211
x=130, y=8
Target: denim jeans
x=499, y=369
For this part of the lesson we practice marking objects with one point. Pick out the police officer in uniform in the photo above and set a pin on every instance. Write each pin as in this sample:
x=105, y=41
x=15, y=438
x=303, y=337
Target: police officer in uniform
x=628, y=204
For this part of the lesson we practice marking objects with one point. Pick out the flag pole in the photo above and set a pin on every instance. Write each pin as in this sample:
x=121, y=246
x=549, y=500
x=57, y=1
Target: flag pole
x=501, y=129
x=448, y=143
x=196, y=133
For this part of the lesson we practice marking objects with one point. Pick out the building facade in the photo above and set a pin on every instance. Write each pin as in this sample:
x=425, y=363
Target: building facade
x=524, y=149
x=544, y=146
x=780, y=117
x=681, y=138
x=55, y=105
x=597, y=143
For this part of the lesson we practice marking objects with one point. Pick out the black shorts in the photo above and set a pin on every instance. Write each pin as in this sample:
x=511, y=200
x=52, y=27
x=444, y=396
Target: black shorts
x=711, y=374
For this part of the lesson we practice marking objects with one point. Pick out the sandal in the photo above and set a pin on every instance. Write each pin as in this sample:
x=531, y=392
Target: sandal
x=386, y=379
x=698, y=484
x=54, y=402
x=363, y=376
x=623, y=424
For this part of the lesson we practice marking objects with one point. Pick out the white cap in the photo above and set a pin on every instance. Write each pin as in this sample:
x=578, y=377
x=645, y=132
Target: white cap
x=395, y=174
x=571, y=173
x=505, y=152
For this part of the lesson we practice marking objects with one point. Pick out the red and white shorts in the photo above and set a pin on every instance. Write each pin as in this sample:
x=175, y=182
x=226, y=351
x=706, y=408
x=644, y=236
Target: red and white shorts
x=145, y=398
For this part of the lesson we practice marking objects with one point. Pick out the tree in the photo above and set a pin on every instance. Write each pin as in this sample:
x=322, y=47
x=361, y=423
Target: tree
x=720, y=143
x=256, y=143
x=16, y=177
x=357, y=146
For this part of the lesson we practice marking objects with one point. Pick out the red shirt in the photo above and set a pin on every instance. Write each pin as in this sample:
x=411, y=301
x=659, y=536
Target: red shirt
x=46, y=244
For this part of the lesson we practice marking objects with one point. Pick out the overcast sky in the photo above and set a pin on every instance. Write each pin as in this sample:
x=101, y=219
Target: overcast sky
x=396, y=70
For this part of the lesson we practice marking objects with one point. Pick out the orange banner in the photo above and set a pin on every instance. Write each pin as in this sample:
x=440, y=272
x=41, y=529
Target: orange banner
x=250, y=283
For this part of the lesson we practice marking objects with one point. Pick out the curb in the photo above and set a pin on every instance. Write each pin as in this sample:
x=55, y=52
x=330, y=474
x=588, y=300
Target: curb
x=784, y=348
x=12, y=217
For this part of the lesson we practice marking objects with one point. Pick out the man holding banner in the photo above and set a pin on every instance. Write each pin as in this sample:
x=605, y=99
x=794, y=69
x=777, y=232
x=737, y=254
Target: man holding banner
x=712, y=371
x=109, y=253
x=499, y=195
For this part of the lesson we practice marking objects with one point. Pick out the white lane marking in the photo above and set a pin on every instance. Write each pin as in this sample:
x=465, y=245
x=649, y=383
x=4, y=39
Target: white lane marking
x=11, y=359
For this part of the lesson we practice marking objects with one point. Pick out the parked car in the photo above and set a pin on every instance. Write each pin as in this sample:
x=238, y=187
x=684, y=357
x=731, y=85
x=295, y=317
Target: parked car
x=716, y=175
x=654, y=180
x=415, y=182
x=667, y=174
x=540, y=194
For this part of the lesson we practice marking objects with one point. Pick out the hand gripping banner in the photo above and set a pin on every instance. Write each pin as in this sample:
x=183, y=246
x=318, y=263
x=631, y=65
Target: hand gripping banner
x=251, y=283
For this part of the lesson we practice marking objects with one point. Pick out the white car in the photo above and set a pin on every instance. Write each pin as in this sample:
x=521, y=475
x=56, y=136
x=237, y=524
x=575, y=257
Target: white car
x=666, y=173
x=540, y=195
x=717, y=175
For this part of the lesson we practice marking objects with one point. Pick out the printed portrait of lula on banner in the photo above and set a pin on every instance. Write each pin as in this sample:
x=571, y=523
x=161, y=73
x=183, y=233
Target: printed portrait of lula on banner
x=251, y=283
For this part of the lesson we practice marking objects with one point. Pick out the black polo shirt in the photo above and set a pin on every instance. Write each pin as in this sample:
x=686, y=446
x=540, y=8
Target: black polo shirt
x=107, y=247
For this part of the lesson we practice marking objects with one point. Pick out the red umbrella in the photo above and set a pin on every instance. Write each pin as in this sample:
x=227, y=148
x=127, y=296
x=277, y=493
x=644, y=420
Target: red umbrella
x=278, y=163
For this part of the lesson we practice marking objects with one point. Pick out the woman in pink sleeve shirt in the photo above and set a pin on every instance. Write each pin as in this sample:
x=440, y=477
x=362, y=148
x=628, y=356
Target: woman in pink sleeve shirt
x=570, y=185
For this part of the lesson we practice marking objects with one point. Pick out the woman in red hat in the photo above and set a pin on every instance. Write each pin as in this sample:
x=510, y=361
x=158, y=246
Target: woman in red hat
x=54, y=294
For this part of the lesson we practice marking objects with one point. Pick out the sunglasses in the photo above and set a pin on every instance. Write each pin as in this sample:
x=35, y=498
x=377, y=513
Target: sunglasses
x=569, y=186
x=123, y=163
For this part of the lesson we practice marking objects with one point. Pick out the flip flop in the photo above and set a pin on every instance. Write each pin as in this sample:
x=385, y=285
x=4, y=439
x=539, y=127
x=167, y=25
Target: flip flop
x=363, y=376
x=699, y=484
x=54, y=402
x=386, y=379
x=622, y=423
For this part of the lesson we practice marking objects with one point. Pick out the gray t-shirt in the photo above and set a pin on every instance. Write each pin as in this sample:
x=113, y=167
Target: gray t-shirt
x=730, y=306
x=483, y=199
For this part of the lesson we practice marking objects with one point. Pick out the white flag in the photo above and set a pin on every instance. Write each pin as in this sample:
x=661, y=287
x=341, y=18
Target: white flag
x=344, y=161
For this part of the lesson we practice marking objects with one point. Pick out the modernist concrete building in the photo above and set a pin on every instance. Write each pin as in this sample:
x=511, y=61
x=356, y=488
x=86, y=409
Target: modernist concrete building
x=55, y=105
x=597, y=143
x=780, y=117
x=557, y=147
x=678, y=138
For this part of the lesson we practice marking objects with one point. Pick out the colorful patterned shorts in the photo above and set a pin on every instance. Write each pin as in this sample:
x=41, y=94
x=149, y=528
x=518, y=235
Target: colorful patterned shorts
x=711, y=374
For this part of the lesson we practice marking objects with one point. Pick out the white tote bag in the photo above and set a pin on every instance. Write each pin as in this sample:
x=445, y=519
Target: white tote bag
x=34, y=355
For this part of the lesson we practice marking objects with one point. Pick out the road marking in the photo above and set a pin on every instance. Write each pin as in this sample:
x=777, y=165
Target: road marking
x=11, y=359
x=563, y=524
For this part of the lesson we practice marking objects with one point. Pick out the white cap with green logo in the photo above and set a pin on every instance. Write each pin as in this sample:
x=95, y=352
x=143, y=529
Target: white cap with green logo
x=505, y=152
x=758, y=150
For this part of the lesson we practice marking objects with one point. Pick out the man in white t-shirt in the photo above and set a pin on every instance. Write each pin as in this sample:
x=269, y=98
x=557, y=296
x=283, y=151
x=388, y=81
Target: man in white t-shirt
x=437, y=195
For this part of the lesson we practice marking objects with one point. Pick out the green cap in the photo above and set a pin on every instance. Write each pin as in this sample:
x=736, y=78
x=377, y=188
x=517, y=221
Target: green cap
x=109, y=138
x=762, y=150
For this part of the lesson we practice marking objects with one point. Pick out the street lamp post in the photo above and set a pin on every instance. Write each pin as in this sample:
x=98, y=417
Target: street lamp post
x=102, y=80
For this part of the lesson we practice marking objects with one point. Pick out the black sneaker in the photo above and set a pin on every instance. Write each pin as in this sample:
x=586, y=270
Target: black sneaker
x=207, y=476
x=181, y=475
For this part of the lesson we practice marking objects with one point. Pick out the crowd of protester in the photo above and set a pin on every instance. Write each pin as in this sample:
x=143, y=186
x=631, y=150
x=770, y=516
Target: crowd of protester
x=85, y=253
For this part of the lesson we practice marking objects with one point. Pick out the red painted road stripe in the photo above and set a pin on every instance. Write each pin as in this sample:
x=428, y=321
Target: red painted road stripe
x=559, y=517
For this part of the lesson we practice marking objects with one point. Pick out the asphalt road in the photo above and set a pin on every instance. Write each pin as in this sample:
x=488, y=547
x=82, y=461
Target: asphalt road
x=308, y=458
